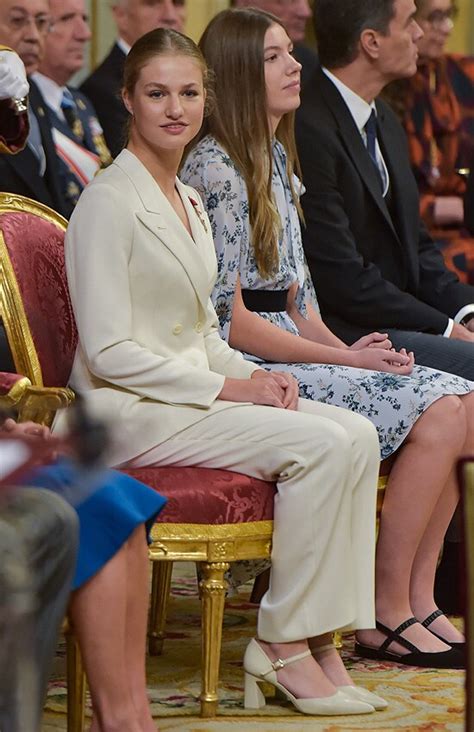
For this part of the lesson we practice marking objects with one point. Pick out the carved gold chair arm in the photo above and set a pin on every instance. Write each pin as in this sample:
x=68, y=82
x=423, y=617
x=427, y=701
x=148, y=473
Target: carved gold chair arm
x=40, y=403
x=12, y=390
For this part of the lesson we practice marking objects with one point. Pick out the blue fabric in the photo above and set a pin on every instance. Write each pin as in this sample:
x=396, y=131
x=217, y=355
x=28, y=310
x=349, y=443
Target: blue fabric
x=112, y=508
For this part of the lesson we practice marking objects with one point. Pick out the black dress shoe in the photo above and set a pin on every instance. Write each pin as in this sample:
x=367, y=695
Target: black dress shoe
x=452, y=658
x=461, y=645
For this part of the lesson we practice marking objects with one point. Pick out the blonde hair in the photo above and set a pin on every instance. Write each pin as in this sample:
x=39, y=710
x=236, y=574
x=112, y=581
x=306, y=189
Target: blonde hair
x=233, y=47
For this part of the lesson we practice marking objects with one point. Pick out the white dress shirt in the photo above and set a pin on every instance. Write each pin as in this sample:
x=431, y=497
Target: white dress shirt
x=51, y=92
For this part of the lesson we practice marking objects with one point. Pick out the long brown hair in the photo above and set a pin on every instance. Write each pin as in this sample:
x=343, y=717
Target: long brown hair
x=233, y=46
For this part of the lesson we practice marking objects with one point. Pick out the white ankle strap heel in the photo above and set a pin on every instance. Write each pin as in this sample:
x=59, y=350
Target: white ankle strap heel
x=258, y=667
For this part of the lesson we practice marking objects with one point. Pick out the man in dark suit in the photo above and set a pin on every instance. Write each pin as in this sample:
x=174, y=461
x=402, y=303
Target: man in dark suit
x=373, y=263
x=133, y=18
x=294, y=14
x=33, y=172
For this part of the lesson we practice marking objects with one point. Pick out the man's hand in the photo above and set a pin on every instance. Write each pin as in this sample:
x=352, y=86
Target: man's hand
x=463, y=332
x=372, y=340
x=13, y=83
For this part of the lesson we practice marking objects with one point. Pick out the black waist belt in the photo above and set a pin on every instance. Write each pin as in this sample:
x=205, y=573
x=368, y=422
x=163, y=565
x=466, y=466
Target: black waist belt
x=265, y=301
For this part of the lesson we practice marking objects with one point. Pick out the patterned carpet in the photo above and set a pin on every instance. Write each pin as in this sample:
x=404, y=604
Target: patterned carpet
x=419, y=699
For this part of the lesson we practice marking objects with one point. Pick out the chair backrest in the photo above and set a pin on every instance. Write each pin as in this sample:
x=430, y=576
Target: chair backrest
x=34, y=299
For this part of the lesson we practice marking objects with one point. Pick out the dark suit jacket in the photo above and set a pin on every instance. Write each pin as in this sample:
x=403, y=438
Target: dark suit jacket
x=103, y=89
x=372, y=270
x=20, y=173
x=308, y=58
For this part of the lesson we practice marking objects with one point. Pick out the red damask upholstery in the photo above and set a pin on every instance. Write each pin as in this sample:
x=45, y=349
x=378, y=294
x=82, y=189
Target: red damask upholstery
x=36, y=250
x=209, y=496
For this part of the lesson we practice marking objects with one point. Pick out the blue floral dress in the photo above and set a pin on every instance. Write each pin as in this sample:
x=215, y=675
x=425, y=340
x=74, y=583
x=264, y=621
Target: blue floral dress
x=392, y=402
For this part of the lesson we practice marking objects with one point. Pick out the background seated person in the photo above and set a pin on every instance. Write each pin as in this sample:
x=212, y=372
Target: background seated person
x=34, y=171
x=110, y=587
x=75, y=129
x=436, y=107
x=38, y=531
x=373, y=263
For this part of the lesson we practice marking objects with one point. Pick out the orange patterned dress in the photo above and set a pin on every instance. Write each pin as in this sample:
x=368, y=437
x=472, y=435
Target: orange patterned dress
x=439, y=121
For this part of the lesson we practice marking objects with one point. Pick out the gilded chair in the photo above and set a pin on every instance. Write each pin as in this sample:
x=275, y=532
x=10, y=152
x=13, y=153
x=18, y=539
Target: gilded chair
x=466, y=474
x=213, y=516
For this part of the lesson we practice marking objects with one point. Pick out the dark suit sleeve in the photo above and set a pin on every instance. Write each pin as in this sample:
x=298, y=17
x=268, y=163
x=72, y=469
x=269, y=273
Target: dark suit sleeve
x=347, y=284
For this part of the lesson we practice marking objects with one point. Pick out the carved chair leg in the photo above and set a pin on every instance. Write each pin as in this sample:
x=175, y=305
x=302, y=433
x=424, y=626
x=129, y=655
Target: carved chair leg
x=76, y=685
x=160, y=591
x=213, y=588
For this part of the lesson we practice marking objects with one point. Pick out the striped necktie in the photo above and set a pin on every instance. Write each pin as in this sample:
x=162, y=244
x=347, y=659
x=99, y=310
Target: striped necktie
x=69, y=109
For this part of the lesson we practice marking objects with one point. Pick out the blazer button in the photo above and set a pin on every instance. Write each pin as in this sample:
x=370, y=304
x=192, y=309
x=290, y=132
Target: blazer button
x=178, y=328
x=198, y=327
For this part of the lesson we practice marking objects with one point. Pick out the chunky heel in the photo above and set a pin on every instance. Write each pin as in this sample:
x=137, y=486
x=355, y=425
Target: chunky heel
x=258, y=668
x=253, y=695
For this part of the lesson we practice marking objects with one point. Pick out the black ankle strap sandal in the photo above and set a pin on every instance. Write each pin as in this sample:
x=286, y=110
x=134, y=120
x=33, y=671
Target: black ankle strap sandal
x=461, y=645
x=452, y=658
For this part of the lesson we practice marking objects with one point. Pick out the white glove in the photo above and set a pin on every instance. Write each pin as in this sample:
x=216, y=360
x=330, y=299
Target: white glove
x=13, y=83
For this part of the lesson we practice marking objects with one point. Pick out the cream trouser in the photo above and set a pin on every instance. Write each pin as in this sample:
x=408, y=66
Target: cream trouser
x=325, y=462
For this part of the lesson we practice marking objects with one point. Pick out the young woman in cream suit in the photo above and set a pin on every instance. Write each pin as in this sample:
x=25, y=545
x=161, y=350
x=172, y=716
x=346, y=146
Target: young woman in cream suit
x=141, y=267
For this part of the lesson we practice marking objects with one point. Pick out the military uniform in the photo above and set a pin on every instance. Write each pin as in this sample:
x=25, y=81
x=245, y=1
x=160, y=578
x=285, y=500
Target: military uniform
x=77, y=136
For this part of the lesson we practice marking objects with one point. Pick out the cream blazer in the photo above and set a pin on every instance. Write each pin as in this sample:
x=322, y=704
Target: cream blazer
x=150, y=358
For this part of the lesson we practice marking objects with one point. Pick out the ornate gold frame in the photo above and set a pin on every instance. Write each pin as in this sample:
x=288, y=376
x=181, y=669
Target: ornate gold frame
x=12, y=310
x=37, y=403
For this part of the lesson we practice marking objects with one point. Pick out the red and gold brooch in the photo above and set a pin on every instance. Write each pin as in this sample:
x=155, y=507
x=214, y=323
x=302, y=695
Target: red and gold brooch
x=199, y=213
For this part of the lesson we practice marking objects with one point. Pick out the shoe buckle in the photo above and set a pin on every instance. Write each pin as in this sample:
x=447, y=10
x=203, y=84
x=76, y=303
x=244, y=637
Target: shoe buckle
x=278, y=664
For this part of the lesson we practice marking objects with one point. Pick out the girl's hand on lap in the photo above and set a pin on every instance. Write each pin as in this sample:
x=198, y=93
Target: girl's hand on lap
x=291, y=386
x=372, y=340
x=378, y=359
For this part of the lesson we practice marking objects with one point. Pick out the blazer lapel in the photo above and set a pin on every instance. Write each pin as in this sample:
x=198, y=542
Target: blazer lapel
x=354, y=145
x=163, y=222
